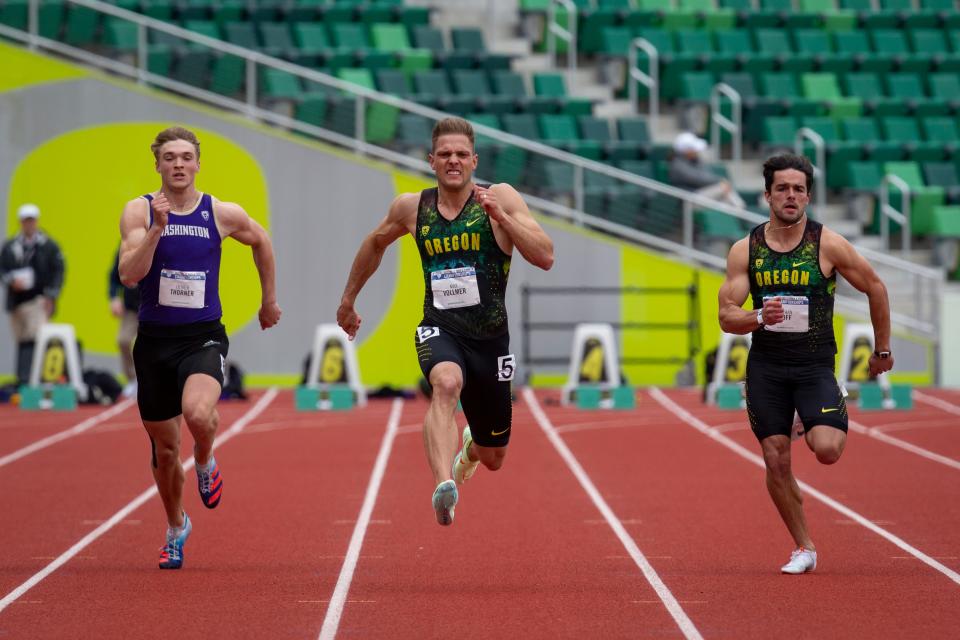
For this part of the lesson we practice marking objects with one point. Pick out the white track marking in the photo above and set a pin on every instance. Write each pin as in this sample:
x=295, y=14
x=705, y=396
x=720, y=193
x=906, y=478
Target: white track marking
x=339, y=599
x=116, y=518
x=75, y=430
x=666, y=597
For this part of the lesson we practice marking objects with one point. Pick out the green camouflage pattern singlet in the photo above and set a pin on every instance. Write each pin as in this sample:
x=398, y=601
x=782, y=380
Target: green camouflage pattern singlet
x=794, y=273
x=454, y=247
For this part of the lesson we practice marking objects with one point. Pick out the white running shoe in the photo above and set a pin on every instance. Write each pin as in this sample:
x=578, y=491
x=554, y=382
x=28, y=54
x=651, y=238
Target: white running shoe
x=801, y=561
x=444, y=500
x=463, y=466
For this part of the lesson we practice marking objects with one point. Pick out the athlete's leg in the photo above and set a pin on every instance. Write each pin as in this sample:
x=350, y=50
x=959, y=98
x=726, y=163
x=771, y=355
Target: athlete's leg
x=440, y=427
x=200, y=395
x=165, y=464
x=783, y=488
x=827, y=442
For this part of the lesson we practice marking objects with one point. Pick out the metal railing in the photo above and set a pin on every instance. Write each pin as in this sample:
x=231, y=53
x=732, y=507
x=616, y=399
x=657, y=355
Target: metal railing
x=819, y=162
x=651, y=79
x=568, y=34
x=888, y=211
x=651, y=214
x=732, y=125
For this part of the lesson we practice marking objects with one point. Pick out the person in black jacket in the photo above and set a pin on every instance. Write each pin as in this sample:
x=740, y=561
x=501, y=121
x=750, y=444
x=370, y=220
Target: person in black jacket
x=32, y=268
x=125, y=304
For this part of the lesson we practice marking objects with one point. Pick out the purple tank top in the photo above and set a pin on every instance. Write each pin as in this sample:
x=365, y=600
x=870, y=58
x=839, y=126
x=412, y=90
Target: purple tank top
x=183, y=284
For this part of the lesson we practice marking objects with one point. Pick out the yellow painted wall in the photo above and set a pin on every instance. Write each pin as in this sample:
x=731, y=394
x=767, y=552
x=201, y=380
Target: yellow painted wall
x=21, y=68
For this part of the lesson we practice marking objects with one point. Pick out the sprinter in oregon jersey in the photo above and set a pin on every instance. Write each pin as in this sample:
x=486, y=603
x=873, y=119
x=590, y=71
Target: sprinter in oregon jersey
x=466, y=234
x=788, y=266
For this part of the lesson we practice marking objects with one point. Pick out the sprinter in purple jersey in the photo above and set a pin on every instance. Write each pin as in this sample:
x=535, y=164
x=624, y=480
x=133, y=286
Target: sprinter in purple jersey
x=170, y=249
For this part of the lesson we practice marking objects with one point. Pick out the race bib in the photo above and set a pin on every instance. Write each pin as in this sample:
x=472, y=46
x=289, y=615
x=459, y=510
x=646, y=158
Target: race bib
x=455, y=288
x=26, y=276
x=182, y=288
x=796, y=315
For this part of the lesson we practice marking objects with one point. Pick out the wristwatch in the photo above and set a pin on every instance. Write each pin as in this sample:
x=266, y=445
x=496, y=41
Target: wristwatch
x=883, y=355
x=760, y=317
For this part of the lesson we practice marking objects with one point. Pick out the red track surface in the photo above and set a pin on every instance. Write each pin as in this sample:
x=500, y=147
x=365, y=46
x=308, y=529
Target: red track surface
x=529, y=556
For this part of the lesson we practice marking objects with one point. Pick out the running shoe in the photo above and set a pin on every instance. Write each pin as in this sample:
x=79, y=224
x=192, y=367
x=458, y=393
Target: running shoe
x=171, y=554
x=463, y=466
x=801, y=561
x=210, y=483
x=444, y=500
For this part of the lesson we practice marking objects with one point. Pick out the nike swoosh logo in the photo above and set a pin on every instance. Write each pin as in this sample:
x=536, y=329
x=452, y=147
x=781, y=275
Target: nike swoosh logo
x=499, y=433
x=797, y=264
x=475, y=220
x=822, y=410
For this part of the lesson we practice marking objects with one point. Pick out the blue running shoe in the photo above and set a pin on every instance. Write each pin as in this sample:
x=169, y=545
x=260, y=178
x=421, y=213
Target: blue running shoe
x=171, y=554
x=444, y=500
x=210, y=483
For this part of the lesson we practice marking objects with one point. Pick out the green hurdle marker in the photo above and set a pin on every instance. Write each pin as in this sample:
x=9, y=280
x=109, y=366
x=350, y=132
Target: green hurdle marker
x=730, y=396
x=902, y=395
x=624, y=398
x=871, y=397
x=64, y=398
x=30, y=398
x=340, y=397
x=307, y=398
x=588, y=397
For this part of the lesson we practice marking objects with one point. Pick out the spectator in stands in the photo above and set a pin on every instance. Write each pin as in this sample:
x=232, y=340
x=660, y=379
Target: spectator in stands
x=688, y=171
x=125, y=305
x=32, y=268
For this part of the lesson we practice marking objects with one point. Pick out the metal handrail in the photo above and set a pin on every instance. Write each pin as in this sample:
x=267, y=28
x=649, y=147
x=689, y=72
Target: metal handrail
x=887, y=211
x=819, y=165
x=568, y=34
x=650, y=80
x=733, y=125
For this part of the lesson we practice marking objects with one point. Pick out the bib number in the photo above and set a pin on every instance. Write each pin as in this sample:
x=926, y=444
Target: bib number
x=183, y=289
x=796, y=315
x=455, y=288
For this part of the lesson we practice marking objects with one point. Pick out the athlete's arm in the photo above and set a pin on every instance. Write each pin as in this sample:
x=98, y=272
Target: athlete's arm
x=400, y=219
x=234, y=222
x=138, y=242
x=854, y=267
x=734, y=291
x=508, y=210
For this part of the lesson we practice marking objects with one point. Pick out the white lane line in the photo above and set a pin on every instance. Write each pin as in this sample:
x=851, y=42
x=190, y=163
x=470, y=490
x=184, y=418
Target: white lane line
x=116, y=518
x=679, y=615
x=943, y=405
x=75, y=430
x=877, y=434
x=339, y=599
x=712, y=433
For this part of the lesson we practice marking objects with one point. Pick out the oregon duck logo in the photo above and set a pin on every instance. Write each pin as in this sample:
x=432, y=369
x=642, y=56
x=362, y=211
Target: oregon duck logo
x=424, y=230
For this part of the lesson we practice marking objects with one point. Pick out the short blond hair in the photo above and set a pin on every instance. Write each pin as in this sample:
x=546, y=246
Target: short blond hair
x=174, y=133
x=451, y=126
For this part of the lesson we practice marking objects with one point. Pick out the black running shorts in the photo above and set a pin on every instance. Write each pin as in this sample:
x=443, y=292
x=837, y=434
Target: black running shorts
x=488, y=368
x=775, y=389
x=166, y=356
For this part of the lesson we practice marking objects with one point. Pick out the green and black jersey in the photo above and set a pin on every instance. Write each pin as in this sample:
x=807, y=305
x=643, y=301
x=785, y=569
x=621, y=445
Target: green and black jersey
x=794, y=273
x=464, y=270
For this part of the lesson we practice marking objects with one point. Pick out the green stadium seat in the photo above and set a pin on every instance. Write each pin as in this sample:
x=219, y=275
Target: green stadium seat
x=393, y=81
x=414, y=132
x=278, y=41
x=924, y=199
x=81, y=26
x=864, y=177
x=191, y=67
x=14, y=13
x=380, y=120
x=158, y=9
x=227, y=75
x=194, y=9
x=552, y=85
x=780, y=132
x=945, y=175
x=119, y=35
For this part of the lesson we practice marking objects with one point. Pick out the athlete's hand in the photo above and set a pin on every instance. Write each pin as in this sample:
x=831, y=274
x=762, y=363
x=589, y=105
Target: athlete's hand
x=161, y=210
x=772, y=311
x=269, y=315
x=488, y=200
x=348, y=319
x=880, y=365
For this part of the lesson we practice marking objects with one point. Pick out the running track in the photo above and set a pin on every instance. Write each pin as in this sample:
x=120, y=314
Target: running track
x=653, y=523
